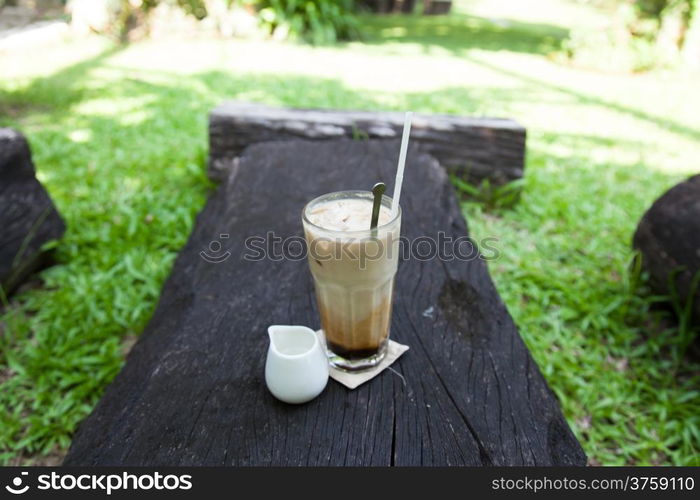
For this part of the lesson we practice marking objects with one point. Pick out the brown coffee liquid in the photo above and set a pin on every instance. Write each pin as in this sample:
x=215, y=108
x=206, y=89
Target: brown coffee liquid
x=352, y=354
x=356, y=339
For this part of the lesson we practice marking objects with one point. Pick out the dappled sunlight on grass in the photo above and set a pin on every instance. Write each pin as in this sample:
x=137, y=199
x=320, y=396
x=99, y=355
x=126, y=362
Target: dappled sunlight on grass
x=458, y=33
x=80, y=135
x=111, y=106
x=17, y=68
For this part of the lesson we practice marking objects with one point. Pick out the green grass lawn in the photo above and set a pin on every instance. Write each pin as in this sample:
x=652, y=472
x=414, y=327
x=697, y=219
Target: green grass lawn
x=119, y=139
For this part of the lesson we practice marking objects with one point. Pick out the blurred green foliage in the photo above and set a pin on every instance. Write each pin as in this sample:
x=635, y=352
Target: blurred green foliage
x=641, y=35
x=654, y=8
x=315, y=21
x=129, y=15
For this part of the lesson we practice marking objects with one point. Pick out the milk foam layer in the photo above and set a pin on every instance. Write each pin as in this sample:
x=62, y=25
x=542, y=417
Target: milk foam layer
x=350, y=214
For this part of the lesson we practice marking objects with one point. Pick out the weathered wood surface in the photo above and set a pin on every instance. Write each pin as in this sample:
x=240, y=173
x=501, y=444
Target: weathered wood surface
x=437, y=7
x=475, y=149
x=387, y=6
x=192, y=390
x=430, y=7
x=668, y=237
x=28, y=217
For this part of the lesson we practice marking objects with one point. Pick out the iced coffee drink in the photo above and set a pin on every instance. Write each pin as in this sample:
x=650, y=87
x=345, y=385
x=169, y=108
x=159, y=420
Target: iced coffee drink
x=353, y=269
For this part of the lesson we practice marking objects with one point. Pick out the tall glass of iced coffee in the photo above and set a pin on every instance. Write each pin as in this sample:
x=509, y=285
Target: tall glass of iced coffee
x=353, y=268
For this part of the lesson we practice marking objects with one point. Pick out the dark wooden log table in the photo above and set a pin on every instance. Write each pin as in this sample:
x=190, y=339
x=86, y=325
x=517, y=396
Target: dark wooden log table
x=192, y=390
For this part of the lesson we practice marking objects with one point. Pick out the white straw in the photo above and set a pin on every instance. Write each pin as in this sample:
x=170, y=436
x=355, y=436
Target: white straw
x=402, y=164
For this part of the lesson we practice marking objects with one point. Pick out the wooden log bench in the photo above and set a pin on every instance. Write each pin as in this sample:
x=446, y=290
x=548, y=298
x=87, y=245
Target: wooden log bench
x=192, y=391
x=475, y=149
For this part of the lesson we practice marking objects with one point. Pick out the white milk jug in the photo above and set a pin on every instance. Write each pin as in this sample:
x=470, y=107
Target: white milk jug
x=296, y=370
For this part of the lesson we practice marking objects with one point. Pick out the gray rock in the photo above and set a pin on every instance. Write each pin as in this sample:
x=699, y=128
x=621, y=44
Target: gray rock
x=27, y=215
x=668, y=237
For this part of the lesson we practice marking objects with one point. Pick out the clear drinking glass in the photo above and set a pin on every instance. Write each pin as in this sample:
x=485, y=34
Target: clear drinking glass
x=353, y=275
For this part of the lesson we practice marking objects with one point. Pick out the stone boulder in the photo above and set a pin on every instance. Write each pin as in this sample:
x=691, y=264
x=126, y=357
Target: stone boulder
x=668, y=237
x=28, y=217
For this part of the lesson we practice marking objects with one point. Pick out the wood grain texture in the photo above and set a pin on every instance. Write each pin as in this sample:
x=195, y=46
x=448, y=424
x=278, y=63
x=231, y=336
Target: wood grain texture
x=192, y=390
x=28, y=217
x=475, y=149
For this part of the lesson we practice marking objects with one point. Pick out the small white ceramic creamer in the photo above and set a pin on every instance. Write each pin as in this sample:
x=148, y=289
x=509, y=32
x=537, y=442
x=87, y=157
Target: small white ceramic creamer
x=296, y=370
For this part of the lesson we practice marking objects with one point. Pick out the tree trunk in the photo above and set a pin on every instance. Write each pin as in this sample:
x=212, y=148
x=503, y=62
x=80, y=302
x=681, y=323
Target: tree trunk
x=670, y=37
x=691, y=44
